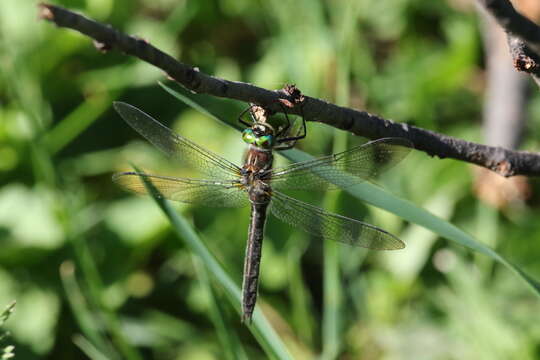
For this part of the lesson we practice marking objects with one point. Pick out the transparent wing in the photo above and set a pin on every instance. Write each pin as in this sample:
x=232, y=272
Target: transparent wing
x=365, y=162
x=176, y=146
x=193, y=191
x=321, y=223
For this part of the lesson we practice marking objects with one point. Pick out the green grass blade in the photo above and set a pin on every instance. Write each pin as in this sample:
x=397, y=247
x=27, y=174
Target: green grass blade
x=301, y=302
x=332, y=286
x=6, y=350
x=6, y=313
x=261, y=328
x=88, y=348
x=332, y=298
x=76, y=122
x=186, y=100
x=380, y=198
x=229, y=341
x=343, y=31
x=95, y=288
x=84, y=317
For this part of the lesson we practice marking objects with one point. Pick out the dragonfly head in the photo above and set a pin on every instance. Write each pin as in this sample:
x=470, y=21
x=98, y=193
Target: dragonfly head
x=259, y=135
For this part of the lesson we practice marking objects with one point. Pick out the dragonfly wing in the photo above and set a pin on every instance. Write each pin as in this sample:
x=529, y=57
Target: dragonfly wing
x=323, y=224
x=193, y=191
x=365, y=162
x=176, y=146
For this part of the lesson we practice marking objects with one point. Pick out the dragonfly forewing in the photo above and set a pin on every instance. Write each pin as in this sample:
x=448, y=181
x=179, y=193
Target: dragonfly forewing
x=193, y=191
x=176, y=146
x=364, y=162
x=323, y=224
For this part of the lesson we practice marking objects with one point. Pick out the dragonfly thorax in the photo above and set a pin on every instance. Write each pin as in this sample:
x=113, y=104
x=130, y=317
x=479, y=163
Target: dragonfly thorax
x=259, y=192
x=255, y=172
x=259, y=135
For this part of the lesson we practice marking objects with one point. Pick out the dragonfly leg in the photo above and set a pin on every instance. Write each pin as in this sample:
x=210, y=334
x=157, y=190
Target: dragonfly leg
x=242, y=121
x=285, y=147
x=294, y=139
x=288, y=126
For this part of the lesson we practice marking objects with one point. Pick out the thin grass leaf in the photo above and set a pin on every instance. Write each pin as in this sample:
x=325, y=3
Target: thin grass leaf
x=332, y=287
x=95, y=290
x=332, y=298
x=70, y=127
x=382, y=199
x=228, y=338
x=301, y=302
x=6, y=351
x=343, y=32
x=260, y=328
x=6, y=313
x=85, y=318
x=88, y=348
x=186, y=100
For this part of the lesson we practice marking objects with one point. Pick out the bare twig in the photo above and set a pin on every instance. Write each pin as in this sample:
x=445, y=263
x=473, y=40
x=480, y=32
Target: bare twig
x=521, y=36
x=503, y=161
x=505, y=97
x=514, y=23
x=504, y=115
x=524, y=59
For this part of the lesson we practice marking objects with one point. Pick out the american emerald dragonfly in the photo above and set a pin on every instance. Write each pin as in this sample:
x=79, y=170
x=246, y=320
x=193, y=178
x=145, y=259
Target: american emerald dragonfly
x=259, y=185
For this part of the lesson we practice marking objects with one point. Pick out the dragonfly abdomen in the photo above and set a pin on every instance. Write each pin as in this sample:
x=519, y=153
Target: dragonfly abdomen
x=252, y=259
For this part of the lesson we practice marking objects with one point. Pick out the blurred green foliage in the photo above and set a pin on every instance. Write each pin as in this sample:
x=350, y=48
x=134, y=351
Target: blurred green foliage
x=98, y=271
x=6, y=351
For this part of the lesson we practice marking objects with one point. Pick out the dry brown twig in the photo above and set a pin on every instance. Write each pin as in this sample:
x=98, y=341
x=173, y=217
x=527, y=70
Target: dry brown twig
x=502, y=161
x=513, y=22
x=523, y=33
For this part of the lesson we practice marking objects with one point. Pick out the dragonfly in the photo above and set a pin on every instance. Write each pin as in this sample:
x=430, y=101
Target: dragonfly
x=258, y=184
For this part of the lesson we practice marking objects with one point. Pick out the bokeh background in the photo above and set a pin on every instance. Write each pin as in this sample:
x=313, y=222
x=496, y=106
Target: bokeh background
x=81, y=257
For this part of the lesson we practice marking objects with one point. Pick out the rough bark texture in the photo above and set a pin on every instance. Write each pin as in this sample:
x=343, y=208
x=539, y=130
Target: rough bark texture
x=503, y=161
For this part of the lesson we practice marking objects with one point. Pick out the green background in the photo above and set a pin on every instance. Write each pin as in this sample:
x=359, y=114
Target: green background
x=98, y=271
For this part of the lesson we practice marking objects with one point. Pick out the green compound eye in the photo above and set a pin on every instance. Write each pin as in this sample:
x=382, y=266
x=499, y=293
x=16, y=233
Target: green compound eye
x=248, y=136
x=265, y=141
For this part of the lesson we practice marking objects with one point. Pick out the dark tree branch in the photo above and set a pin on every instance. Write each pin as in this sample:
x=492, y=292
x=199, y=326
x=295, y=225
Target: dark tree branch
x=523, y=36
x=525, y=59
x=503, y=161
x=505, y=95
x=514, y=23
